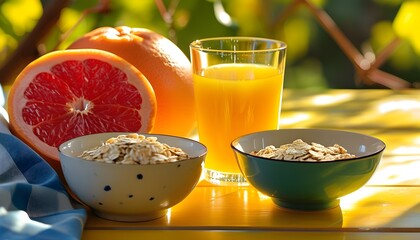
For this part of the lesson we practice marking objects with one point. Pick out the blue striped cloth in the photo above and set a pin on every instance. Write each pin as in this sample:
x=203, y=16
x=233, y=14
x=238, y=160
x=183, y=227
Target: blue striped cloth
x=33, y=202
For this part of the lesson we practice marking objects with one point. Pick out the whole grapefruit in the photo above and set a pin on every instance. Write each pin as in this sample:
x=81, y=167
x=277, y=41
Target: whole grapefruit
x=164, y=65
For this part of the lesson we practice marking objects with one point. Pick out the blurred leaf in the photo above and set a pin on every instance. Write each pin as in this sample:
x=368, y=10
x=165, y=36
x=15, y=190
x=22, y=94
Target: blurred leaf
x=382, y=35
x=22, y=13
x=306, y=75
x=297, y=37
x=17, y=17
x=251, y=23
x=6, y=26
x=136, y=14
x=7, y=44
x=406, y=21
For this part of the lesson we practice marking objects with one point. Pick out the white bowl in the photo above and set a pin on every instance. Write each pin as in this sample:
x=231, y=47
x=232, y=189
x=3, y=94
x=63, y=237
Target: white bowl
x=130, y=192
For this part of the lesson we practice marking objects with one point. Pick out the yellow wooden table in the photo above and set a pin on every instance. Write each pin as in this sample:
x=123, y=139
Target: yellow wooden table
x=388, y=207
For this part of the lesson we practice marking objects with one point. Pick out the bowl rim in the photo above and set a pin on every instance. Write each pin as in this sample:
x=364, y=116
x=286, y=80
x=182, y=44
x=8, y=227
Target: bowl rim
x=308, y=162
x=205, y=150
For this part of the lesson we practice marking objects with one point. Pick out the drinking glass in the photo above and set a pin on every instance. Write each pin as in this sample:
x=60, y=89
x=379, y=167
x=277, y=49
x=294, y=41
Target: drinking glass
x=238, y=85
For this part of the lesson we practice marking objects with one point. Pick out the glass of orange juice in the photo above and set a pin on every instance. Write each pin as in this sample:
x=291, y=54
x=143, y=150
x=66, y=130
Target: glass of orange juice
x=238, y=85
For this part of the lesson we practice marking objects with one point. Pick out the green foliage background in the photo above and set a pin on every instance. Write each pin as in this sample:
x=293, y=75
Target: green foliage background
x=314, y=60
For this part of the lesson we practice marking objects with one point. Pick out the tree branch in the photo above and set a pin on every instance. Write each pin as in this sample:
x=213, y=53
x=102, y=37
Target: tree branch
x=367, y=72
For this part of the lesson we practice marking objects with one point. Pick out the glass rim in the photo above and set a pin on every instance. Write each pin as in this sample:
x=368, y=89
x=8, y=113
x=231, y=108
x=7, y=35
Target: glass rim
x=197, y=46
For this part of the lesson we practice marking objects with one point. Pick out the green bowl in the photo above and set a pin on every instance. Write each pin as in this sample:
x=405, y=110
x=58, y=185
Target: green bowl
x=308, y=185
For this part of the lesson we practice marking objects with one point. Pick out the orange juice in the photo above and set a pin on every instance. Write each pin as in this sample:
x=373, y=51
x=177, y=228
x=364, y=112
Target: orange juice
x=232, y=100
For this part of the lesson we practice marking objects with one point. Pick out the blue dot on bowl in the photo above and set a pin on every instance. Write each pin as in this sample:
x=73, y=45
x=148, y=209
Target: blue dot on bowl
x=107, y=188
x=139, y=176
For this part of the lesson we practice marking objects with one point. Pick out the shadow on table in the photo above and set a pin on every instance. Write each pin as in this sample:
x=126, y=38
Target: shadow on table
x=288, y=218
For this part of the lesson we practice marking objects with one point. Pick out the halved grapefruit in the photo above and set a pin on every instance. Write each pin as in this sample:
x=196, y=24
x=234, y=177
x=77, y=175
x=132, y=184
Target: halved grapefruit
x=69, y=93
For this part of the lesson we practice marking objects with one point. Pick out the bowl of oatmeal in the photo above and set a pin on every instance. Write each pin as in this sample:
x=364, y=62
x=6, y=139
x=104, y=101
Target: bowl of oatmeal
x=131, y=177
x=307, y=169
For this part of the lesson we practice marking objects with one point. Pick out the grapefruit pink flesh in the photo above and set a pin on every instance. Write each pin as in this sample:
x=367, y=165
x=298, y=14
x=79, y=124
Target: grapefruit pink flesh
x=73, y=100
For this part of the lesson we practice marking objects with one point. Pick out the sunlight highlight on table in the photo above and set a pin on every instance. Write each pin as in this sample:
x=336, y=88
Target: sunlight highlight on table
x=399, y=105
x=331, y=99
